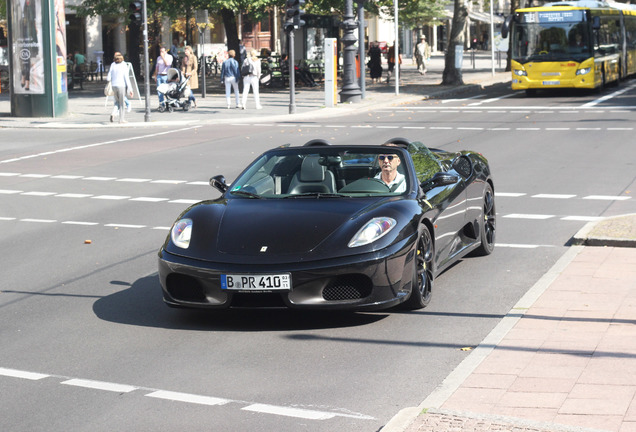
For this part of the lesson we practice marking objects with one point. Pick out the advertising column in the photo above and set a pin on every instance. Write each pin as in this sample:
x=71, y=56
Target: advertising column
x=37, y=46
x=331, y=72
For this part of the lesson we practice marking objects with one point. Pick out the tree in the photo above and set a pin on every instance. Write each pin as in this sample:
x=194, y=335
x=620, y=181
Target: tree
x=452, y=75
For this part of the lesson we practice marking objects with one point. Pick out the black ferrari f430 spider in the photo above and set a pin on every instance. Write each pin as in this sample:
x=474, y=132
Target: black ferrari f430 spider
x=333, y=227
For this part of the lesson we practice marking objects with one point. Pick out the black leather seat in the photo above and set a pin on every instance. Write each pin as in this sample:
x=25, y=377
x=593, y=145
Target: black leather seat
x=312, y=177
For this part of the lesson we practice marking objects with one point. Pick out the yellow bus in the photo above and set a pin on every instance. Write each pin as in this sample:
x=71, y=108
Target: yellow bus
x=576, y=44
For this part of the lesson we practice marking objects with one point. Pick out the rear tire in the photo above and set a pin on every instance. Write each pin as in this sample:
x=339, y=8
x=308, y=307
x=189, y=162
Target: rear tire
x=422, y=283
x=488, y=223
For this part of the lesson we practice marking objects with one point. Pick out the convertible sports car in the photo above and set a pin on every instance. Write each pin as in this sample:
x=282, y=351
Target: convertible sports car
x=322, y=226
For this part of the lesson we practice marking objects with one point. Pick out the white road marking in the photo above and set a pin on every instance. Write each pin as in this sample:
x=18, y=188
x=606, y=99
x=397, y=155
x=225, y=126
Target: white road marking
x=287, y=411
x=553, y=196
x=87, y=146
x=35, y=175
x=80, y=223
x=174, y=182
x=9, y=191
x=606, y=198
x=509, y=194
x=38, y=220
x=607, y=97
x=100, y=178
x=528, y=216
x=582, y=218
x=184, y=201
x=133, y=180
x=115, y=225
x=290, y=412
x=111, y=197
x=189, y=398
x=149, y=199
x=73, y=195
x=100, y=385
x=22, y=374
x=35, y=193
x=8, y=174
x=518, y=246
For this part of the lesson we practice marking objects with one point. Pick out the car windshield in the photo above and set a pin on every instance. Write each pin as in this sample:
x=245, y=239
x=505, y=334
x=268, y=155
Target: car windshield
x=551, y=36
x=326, y=172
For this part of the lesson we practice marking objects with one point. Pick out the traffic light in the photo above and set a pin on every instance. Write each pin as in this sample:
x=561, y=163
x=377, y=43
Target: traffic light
x=293, y=12
x=135, y=12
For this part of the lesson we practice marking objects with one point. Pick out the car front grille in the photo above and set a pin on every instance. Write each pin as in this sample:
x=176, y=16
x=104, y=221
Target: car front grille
x=347, y=287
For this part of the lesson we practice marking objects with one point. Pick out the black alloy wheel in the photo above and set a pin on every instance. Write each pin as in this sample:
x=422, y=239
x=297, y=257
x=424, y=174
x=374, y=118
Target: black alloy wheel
x=488, y=225
x=422, y=284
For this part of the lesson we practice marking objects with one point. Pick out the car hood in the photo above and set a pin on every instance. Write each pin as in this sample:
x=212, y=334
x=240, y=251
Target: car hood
x=284, y=230
x=291, y=226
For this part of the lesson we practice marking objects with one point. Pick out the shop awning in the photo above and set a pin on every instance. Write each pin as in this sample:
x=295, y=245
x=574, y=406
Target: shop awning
x=478, y=16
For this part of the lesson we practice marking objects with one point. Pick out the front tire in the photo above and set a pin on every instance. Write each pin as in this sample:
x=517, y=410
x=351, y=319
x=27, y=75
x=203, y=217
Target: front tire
x=422, y=284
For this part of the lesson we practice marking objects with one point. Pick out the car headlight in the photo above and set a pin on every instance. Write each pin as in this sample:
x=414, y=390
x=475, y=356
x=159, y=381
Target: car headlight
x=521, y=72
x=583, y=71
x=181, y=233
x=372, y=230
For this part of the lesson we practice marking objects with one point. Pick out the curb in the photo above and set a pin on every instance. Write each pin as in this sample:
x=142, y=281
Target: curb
x=617, y=231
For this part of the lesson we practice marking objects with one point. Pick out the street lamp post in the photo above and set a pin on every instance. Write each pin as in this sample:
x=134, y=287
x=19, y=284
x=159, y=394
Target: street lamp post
x=350, y=89
x=361, y=46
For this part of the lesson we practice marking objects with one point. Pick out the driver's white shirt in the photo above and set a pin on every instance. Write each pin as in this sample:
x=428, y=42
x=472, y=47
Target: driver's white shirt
x=398, y=178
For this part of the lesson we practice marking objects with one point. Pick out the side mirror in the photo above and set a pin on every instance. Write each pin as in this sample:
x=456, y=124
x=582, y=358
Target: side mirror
x=596, y=23
x=218, y=182
x=505, y=28
x=439, y=179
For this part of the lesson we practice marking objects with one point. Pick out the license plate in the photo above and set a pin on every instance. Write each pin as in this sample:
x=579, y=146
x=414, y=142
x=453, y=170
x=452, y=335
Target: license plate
x=256, y=282
x=551, y=82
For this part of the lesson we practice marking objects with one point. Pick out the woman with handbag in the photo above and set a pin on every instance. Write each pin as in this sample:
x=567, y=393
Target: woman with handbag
x=189, y=68
x=251, y=71
x=118, y=78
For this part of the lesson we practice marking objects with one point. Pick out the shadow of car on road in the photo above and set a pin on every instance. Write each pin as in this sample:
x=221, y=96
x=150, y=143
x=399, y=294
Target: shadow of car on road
x=141, y=304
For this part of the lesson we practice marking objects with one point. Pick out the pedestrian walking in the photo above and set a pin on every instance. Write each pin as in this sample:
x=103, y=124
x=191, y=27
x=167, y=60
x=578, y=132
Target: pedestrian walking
x=251, y=71
x=163, y=63
x=120, y=82
x=189, y=70
x=390, y=57
x=375, y=62
x=230, y=76
x=422, y=55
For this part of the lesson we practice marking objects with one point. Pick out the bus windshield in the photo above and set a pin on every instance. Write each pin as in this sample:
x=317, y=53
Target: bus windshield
x=551, y=36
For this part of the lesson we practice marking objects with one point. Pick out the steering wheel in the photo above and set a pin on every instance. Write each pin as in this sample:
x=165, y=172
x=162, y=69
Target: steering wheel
x=543, y=52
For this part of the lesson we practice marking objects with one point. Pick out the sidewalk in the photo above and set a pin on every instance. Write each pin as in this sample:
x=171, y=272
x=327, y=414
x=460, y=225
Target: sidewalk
x=562, y=359
x=88, y=108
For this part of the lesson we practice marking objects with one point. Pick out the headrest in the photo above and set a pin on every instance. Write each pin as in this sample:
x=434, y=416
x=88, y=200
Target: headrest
x=311, y=170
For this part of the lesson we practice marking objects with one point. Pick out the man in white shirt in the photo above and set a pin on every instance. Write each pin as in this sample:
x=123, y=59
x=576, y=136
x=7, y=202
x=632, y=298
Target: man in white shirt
x=164, y=62
x=389, y=174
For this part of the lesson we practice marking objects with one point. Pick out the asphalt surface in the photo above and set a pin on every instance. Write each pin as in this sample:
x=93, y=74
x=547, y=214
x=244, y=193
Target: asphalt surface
x=522, y=377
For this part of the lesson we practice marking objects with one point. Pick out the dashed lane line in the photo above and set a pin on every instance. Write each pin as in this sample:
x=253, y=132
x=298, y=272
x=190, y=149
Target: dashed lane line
x=88, y=146
x=261, y=408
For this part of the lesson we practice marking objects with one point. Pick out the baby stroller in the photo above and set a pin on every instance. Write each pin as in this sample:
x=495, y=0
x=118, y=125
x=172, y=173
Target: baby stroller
x=174, y=91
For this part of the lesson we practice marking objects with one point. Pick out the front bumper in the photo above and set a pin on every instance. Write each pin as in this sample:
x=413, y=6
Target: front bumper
x=371, y=281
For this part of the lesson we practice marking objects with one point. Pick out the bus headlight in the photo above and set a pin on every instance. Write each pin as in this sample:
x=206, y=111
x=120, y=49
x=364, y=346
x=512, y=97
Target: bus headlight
x=583, y=71
x=521, y=72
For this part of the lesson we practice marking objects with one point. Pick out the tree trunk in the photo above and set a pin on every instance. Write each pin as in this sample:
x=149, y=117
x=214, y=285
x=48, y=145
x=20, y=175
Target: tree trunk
x=514, y=5
x=453, y=75
x=231, y=31
x=134, y=38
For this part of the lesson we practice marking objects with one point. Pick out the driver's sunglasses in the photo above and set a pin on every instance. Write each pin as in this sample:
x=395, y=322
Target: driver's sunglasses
x=389, y=157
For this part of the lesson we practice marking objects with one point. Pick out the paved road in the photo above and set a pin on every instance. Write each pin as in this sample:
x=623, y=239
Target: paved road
x=84, y=213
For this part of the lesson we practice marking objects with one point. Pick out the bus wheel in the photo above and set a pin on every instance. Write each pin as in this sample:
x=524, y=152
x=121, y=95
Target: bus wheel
x=601, y=87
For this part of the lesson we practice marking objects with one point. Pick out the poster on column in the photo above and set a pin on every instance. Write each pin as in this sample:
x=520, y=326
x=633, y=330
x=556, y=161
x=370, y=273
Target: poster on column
x=28, y=69
x=60, y=46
